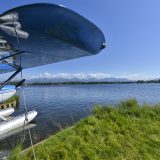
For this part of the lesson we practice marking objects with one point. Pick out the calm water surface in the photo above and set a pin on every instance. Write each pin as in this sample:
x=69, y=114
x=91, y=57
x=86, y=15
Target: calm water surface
x=61, y=106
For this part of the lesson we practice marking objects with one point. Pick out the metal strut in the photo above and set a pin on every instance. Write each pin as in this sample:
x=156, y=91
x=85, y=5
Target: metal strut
x=19, y=52
x=18, y=70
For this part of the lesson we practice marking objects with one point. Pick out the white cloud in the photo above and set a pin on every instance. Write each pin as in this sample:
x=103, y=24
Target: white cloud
x=137, y=76
x=70, y=76
x=86, y=76
x=98, y=76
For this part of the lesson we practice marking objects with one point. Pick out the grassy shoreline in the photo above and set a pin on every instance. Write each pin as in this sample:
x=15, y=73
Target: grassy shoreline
x=125, y=131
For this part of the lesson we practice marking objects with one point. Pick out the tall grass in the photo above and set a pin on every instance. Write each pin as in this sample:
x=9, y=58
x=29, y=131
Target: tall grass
x=126, y=131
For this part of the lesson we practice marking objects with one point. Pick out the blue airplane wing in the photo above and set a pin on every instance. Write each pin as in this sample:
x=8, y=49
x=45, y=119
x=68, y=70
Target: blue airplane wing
x=48, y=33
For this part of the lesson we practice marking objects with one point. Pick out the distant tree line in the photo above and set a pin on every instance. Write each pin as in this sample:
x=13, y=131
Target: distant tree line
x=85, y=83
x=148, y=81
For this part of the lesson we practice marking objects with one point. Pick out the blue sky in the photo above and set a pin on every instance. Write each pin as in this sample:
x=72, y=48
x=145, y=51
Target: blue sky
x=132, y=32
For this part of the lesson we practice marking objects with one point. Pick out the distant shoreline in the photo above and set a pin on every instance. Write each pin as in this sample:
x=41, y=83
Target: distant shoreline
x=86, y=83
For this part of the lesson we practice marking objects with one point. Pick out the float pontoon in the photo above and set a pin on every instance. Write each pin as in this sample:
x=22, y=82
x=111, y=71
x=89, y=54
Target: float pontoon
x=16, y=122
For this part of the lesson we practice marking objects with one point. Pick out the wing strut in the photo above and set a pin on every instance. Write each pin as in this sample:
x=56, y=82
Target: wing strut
x=19, y=52
x=18, y=70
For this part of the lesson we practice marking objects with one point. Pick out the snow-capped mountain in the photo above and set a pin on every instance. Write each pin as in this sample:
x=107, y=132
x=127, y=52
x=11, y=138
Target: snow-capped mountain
x=76, y=77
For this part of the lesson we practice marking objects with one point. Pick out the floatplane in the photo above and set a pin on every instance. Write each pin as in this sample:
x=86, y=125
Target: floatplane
x=40, y=34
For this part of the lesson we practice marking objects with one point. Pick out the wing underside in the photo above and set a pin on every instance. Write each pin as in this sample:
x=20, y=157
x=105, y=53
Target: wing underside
x=45, y=34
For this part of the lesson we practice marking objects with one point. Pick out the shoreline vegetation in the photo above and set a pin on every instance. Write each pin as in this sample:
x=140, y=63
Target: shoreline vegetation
x=124, y=131
x=94, y=82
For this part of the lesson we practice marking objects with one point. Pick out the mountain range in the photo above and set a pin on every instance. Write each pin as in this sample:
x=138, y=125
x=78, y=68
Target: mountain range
x=69, y=77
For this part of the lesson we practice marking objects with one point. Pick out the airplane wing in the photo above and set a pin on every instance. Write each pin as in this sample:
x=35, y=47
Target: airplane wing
x=47, y=33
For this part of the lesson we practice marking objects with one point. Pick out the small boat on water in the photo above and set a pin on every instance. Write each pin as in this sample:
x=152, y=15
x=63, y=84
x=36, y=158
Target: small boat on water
x=7, y=92
x=16, y=122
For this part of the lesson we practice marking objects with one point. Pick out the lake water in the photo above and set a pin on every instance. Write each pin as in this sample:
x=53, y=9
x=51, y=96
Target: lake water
x=61, y=106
